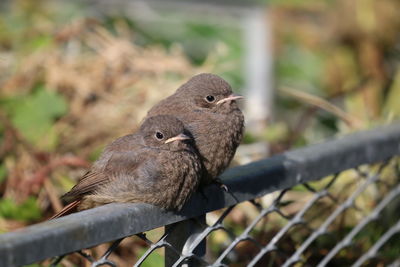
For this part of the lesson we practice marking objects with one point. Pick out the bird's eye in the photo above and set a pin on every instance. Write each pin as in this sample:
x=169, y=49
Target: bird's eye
x=159, y=135
x=210, y=98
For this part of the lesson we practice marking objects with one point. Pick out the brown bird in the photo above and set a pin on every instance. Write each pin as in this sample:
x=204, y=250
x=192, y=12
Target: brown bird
x=157, y=165
x=207, y=107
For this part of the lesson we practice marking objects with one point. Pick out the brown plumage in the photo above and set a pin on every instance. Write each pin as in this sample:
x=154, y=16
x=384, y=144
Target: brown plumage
x=207, y=107
x=157, y=165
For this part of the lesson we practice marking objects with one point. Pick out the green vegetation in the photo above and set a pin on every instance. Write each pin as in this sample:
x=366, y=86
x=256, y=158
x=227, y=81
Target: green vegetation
x=26, y=211
x=33, y=115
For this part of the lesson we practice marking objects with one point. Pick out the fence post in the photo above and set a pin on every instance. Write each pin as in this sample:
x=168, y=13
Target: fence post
x=182, y=236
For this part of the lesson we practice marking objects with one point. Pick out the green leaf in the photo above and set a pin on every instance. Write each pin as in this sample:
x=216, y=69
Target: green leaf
x=53, y=104
x=26, y=211
x=34, y=114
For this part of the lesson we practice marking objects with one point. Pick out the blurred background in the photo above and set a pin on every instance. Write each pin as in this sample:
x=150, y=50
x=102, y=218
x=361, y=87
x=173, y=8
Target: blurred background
x=74, y=76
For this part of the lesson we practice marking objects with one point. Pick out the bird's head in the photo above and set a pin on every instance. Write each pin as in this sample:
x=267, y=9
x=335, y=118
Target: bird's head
x=208, y=92
x=165, y=132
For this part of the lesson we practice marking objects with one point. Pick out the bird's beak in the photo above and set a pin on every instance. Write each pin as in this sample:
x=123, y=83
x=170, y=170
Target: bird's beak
x=229, y=98
x=179, y=137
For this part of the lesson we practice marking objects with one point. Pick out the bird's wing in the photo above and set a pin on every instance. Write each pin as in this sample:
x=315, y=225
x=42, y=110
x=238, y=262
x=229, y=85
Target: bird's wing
x=88, y=183
x=117, y=162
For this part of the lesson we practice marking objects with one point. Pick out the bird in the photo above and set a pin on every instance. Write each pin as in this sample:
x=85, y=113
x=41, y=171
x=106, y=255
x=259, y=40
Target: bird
x=156, y=165
x=207, y=106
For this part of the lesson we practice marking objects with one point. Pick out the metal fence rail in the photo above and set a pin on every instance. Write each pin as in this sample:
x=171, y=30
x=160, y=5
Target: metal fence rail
x=322, y=215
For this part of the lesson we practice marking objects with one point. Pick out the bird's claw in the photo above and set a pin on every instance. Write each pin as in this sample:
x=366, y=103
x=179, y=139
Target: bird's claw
x=221, y=185
x=224, y=187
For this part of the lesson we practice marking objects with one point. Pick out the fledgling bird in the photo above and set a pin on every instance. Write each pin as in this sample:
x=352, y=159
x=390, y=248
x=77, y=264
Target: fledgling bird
x=207, y=106
x=157, y=165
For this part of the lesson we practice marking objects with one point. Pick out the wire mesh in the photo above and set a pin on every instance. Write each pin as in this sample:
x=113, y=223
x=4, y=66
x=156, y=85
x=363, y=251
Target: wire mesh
x=347, y=219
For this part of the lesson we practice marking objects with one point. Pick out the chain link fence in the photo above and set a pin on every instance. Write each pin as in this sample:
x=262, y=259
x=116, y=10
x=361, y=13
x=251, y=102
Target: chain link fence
x=331, y=204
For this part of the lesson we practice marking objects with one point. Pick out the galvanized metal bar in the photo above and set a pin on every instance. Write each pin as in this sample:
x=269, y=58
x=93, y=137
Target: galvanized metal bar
x=114, y=221
x=181, y=236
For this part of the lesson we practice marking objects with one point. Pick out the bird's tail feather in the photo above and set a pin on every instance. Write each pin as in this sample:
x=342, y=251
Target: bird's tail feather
x=66, y=210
